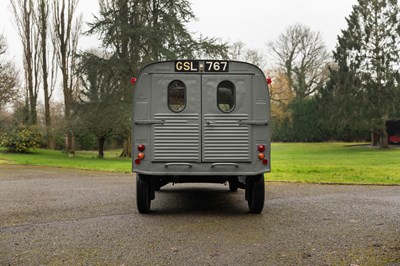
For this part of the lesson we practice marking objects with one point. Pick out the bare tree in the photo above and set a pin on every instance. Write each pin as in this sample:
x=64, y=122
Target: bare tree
x=301, y=54
x=24, y=16
x=65, y=40
x=48, y=69
x=239, y=52
x=8, y=77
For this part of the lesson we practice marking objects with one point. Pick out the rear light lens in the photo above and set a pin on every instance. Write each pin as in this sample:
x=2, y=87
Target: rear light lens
x=261, y=154
x=140, y=156
x=141, y=147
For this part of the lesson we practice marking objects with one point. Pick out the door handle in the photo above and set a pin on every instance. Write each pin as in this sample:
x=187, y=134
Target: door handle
x=222, y=122
x=224, y=164
x=178, y=164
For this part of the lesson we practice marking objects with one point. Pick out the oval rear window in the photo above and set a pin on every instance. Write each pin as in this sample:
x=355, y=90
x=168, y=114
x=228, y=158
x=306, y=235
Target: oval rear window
x=176, y=96
x=226, y=96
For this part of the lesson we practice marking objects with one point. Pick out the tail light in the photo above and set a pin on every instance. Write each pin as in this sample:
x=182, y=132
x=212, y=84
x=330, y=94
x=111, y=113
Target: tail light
x=141, y=147
x=261, y=154
x=140, y=156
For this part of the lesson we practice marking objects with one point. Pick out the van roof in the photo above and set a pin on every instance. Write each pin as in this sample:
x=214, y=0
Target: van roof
x=236, y=67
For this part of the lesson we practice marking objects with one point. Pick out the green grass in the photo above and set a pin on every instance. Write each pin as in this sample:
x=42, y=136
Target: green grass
x=334, y=163
x=291, y=162
x=82, y=160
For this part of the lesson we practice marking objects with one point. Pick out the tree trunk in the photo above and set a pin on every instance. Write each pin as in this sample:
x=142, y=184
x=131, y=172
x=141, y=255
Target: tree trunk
x=70, y=143
x=43, y=17
x=28, y=53
x=102, y=140
x=32, y=108
x=375, y=138
x=66, y=48
x=127, y=150
x=384, y=139
x=51, y=141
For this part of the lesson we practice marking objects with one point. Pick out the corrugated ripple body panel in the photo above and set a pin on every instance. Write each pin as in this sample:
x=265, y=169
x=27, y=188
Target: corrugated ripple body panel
x=178, y=138
x=225, y=139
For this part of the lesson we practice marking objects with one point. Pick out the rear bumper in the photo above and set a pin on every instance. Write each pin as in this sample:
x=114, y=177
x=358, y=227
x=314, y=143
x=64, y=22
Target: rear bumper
x=201, y=169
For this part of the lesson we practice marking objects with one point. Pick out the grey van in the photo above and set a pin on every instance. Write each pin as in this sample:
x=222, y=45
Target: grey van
x=201, y=121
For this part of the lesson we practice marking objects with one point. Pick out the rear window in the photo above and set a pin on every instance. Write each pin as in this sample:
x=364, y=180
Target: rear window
x=226, y=96
x=176, y=96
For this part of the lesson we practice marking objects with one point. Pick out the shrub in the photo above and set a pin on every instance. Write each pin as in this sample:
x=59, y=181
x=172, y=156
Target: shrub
x=21, y=139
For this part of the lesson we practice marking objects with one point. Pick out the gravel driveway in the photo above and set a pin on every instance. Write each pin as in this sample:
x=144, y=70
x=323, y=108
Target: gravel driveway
x=51, y=216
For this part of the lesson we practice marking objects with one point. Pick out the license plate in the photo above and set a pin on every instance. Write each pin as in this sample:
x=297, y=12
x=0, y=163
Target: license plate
x=196, y=66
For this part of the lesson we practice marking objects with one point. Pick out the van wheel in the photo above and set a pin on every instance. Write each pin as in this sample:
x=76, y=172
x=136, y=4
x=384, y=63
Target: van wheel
x=255, y=193
x=233, y=183
x=143, y=193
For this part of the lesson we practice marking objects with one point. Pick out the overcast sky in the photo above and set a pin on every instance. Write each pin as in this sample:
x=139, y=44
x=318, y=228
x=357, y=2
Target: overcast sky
x=255, y=22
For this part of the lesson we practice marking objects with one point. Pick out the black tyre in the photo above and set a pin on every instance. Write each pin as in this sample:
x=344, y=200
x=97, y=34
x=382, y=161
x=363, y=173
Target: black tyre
x=143, y=193
x=255, y=193
x=233, y=183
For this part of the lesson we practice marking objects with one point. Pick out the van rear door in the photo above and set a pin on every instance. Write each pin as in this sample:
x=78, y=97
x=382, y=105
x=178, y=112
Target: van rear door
x=226, y=111
x=201, y=117
x=176, y=112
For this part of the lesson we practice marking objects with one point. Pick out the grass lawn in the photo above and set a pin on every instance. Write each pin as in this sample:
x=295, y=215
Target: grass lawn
x=334, y=163
x=292, y=162
x=82, y=160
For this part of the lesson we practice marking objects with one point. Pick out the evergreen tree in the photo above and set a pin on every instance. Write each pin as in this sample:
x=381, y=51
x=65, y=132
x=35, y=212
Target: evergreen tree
x=98, y=111
x=138, y=32
x=363, y=88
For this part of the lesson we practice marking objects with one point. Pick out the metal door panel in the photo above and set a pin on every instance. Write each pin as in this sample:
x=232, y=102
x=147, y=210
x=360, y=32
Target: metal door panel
x=176, y=136
x=226, y=136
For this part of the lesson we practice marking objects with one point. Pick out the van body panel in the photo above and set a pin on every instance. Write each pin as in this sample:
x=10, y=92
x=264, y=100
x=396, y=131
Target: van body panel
x=178, y=136
x=225, y=137
x=210, y=136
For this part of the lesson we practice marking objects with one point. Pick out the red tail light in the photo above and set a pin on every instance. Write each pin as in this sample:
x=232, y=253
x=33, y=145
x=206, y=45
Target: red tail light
x=261, y=148
x=140, y=155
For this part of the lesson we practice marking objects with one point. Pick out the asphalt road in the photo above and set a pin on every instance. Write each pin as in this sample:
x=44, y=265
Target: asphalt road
x=51, y=216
